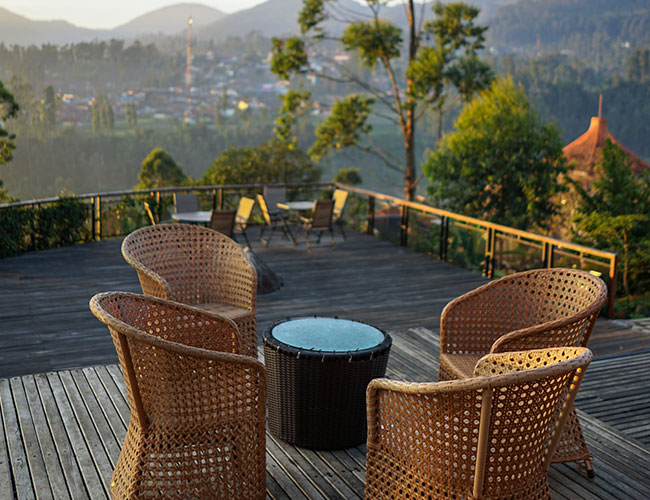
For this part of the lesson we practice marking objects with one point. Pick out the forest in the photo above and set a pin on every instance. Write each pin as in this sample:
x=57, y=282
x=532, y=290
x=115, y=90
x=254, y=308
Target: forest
x=54, y=155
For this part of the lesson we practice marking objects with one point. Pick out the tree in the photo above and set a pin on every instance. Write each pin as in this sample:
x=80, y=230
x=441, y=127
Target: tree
x=274, y=161
x=159, y=169
x=8, y=109
x=48, y=108
x=615, y=214
x=350, y=176
x=501, y=163
x=95, y=116
x=438, y=54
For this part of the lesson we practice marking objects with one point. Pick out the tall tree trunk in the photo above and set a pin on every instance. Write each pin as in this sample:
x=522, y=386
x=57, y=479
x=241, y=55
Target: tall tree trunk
x=409, y=131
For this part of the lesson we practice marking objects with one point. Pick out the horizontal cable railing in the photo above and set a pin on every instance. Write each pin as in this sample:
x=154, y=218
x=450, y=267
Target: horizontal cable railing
x=491, y=248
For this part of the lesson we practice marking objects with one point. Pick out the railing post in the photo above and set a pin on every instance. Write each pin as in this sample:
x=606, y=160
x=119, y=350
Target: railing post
x=445, y=241
x=159, y=206
x=220, y=200
x=548, y=254
x=404, y=227
x=33, y=226
x=98, y=218
x=371, y=215
x=214, y=199
x=92, y=218
x=489, y=253
x=441, y=250
x=611, y=292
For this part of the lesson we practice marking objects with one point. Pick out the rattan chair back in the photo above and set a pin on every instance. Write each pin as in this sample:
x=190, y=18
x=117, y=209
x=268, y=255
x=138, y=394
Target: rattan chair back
x=186, y=202
x=197, y=427
x=484, y=437
x=528, y=310
x=191, y=264
x=223, y=221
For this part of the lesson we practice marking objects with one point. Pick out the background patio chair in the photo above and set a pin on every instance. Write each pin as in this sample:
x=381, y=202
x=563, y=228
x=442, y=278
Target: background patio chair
x=198, y=266
x=223, y=221
x=197, y=426
x=320, y=220
x=186, y=202
x=339, y=196
x=272, y=220
x=274, y=195
x=244, y=210
x=485, y=437
x=529, y=310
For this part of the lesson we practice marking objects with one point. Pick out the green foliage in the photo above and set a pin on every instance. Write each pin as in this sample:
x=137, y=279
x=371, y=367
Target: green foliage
x=373, y=40
x=159, y=169
x=311, y=15
x=8, y=109
x=274, y=161
x=343, y=127
x=288, y=57
x=48, y=107
x=349, y=176
x=61, y=223
x=51, y=225
x=637, y=65
x=615, y=214
x=15, y=224
x=633, y=306
x=501, y=163
x=294, y=103
x=95, y=116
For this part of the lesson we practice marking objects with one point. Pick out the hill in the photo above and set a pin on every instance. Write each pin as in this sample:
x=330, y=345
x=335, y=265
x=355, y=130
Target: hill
x=15, y=29
x=19, y=30
x=279, y=17
x=169, y=20
x=571, y=24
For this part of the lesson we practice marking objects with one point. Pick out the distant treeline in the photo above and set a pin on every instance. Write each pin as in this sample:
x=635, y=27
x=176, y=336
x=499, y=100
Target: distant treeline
x=600, y=31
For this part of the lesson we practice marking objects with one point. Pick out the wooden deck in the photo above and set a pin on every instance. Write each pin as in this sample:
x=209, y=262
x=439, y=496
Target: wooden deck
x=62, y=430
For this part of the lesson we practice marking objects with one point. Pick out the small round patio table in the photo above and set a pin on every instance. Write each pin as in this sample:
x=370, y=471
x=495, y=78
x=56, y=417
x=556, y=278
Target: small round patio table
x=318, y=369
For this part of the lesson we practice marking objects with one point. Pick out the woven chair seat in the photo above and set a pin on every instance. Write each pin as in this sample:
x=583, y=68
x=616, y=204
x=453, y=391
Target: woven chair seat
x=226, y=310
x=458, y=366
x=535, y=309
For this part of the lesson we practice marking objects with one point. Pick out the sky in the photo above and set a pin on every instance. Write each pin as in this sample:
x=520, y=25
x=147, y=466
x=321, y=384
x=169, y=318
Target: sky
x=105, y=13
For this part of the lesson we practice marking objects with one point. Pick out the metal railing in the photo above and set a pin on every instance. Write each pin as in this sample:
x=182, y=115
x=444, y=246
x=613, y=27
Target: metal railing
x=539, y=250
x=550, y=250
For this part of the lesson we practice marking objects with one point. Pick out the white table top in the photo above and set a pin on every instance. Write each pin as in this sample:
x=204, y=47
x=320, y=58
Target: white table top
x=298, y=206
x=201, y=216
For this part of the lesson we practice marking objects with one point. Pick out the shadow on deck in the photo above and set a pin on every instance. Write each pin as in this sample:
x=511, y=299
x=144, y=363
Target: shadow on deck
x=62, y=431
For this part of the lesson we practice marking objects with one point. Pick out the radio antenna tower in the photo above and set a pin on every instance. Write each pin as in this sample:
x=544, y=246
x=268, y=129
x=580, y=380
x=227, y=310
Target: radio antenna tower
x=188, y=63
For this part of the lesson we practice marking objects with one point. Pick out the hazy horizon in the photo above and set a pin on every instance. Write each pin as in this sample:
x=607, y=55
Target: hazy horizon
x=106, y=15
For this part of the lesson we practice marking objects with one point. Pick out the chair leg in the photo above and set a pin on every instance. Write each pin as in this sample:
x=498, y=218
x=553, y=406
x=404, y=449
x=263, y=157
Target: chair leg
x=332, y=235
x=262, y=231
x=307, y=234
x=268, y=240
x=286, y=229
x=340, y=224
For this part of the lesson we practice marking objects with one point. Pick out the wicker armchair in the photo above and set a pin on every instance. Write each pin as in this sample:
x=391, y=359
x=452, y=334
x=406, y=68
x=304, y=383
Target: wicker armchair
x=197, y=427
x=197, y=266
x=529, y=310
x=485, y=437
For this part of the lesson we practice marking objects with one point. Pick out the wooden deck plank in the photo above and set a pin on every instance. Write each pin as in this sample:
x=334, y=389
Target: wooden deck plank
x=93, y=482
x=81, y=415
x=22, y=481
x=73, y=478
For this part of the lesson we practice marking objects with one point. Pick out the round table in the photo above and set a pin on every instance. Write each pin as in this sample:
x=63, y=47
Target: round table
x=318, y=370
x=198, y=217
